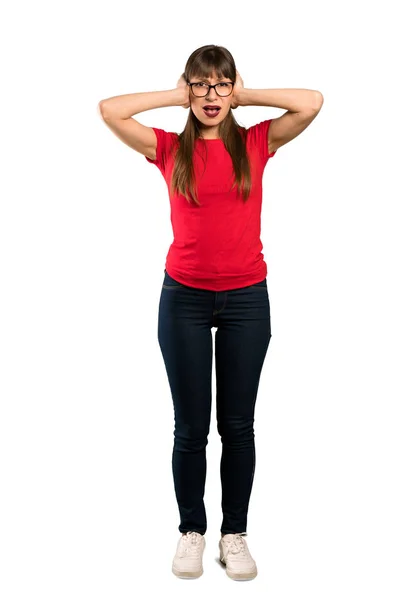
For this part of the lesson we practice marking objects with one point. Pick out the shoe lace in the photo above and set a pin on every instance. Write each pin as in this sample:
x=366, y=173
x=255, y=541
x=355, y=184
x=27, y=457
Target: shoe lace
x=236, y=545
x=191, y=543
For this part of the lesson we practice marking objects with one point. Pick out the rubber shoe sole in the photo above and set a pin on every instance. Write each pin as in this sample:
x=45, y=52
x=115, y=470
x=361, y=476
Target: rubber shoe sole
x=187, y=574
x=239, y=576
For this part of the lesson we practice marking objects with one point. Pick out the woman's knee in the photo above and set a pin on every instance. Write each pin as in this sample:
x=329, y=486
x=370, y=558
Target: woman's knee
x=236, y=430
x=191, y=437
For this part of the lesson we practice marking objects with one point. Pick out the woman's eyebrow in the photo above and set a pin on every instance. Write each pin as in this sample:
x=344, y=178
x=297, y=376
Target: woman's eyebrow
x=205, y=79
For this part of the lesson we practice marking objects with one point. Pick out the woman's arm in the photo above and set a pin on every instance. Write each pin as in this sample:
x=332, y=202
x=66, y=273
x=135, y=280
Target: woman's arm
x=302, y=107
x=295, y=100
x=127, y=105
x=117, y=113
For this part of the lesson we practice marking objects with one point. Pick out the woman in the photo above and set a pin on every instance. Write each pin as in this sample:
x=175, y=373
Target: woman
x=215, y=277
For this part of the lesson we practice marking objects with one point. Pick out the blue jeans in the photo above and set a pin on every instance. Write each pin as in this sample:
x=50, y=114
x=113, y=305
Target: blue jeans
x=242, y=319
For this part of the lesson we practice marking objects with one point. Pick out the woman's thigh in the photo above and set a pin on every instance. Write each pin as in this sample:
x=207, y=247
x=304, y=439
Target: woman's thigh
x=185, y=338
x=241, y=344
x=242, y=319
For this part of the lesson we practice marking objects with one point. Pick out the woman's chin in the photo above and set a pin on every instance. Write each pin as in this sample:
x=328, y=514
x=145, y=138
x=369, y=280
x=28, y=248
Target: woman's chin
x=210, y=121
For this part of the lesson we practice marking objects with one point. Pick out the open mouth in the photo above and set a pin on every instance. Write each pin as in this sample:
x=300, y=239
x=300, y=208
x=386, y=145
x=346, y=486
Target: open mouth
x=211, y=111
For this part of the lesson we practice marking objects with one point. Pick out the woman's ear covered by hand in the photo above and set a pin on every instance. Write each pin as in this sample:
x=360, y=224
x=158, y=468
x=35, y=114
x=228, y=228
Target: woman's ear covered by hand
x=183, y=86
x=237, y=88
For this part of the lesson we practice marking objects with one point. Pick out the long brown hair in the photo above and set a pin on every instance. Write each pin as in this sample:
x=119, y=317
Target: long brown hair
x=201, y=63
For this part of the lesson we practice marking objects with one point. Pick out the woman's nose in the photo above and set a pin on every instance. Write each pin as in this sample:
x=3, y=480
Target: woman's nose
x=213, y=94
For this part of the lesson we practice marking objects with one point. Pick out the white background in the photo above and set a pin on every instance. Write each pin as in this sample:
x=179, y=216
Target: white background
x=87, y=504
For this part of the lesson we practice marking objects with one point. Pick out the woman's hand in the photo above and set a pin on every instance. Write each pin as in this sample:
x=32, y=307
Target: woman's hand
x=183, y=86
x=237, y=88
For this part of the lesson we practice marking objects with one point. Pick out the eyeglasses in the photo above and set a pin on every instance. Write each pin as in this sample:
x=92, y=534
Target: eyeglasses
x=201, y=89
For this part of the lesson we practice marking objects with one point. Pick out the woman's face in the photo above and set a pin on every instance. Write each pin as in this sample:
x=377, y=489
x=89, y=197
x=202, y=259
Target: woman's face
x=209, y=122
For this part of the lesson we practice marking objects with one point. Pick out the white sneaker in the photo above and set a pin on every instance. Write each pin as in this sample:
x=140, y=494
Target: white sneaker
x=235, y=554
x=188, y=560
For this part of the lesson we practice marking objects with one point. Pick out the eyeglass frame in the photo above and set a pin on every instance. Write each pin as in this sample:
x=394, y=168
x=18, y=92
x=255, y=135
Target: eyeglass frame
x=211, y=86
